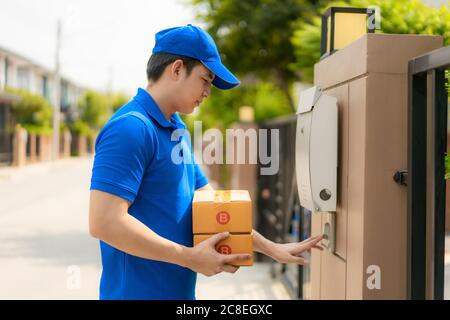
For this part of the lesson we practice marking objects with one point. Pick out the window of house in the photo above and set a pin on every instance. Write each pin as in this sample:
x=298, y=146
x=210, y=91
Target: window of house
x=23, y=78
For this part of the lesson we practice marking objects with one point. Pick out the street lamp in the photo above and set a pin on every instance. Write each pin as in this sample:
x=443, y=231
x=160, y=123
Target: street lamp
x=341, y=26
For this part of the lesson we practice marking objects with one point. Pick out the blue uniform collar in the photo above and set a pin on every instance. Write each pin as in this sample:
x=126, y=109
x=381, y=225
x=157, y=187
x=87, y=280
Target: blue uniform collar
x=153, y=110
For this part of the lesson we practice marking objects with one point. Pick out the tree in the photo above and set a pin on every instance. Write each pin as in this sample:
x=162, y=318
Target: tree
x=94, y=110
x=397, y=16
x=254, y=36
x=118, y=100
x=32, y=111
x=221, y=109
x=273, y=44
x=93, y=107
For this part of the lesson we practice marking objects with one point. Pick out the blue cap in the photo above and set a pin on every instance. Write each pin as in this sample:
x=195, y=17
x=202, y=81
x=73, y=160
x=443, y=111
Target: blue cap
x=191, y=41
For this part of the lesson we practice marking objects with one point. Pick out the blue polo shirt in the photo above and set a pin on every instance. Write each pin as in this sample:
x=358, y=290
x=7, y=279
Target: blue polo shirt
x=134, y=159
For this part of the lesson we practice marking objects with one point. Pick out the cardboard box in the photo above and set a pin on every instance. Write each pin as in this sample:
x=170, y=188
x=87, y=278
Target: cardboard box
x=222, y=210
x=235, y=243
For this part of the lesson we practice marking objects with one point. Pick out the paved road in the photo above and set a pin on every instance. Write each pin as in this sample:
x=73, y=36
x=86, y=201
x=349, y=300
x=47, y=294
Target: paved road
x=45, y=248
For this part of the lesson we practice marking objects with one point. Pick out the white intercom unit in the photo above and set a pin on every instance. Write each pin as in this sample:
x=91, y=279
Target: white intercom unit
x=316, y=153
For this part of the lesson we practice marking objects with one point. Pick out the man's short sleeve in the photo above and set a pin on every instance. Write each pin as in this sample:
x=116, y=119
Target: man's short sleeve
x=123, y=150
x=200, y=178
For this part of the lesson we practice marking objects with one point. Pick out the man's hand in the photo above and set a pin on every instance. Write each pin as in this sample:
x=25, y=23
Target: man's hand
x=204, y=258
x=281, y=252
x=286, y=252
x=291, y=252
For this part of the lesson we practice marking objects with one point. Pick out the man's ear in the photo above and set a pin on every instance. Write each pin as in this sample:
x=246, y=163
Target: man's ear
x=176, y=69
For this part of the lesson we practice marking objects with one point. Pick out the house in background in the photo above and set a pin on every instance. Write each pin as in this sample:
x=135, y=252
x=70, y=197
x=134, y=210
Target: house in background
x=17, y=71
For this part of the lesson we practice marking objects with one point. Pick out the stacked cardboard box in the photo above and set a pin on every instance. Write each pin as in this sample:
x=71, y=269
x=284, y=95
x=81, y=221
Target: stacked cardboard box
x=221, y=211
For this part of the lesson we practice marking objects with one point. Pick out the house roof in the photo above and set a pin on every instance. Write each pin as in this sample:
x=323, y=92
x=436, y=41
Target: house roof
x=27, y=61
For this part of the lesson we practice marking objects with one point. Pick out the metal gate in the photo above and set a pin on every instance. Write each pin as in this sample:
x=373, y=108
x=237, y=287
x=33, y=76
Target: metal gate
x=427, y=142
x=281, y=217
x=6, y=136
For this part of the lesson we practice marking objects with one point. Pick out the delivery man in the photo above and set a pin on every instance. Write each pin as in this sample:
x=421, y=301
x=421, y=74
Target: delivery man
x=140, y=200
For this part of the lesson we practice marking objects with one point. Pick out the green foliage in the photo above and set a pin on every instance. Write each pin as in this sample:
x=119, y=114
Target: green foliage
x=397, y=16
x=306, y=42
x=278, y=42
x=269, y=102
x=447, y=166
x=254, y=37
x=38, y=130
x=32, y=111
x=412, y=17
x=118, y=100
x=271, y=44
x=221, y=109
x=93, y=107
x=80, y=127
x=63, y=126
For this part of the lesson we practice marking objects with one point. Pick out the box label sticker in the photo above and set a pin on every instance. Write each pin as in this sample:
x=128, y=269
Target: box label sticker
x=223, y=217
x=224, y=249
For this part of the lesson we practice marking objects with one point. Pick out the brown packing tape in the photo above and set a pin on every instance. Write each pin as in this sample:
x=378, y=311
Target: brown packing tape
x=222, y=195
x=221, y=210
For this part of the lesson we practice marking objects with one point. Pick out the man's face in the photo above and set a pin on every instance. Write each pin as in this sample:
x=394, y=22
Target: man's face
x=192, y=89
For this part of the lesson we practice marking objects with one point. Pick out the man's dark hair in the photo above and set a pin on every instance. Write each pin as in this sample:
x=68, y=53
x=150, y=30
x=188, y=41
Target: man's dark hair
x=160, y=60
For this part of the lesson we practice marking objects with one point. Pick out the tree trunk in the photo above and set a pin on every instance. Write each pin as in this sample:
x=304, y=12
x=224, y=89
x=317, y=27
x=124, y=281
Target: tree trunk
x=284, y=86
x=289, y=97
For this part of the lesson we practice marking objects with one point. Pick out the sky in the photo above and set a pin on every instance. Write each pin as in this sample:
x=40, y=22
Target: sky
x=104, y=42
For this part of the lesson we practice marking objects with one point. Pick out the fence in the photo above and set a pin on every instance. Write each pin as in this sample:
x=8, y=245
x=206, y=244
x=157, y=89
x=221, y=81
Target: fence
x=427, y=134
x=6, y=152
x=282, y=219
